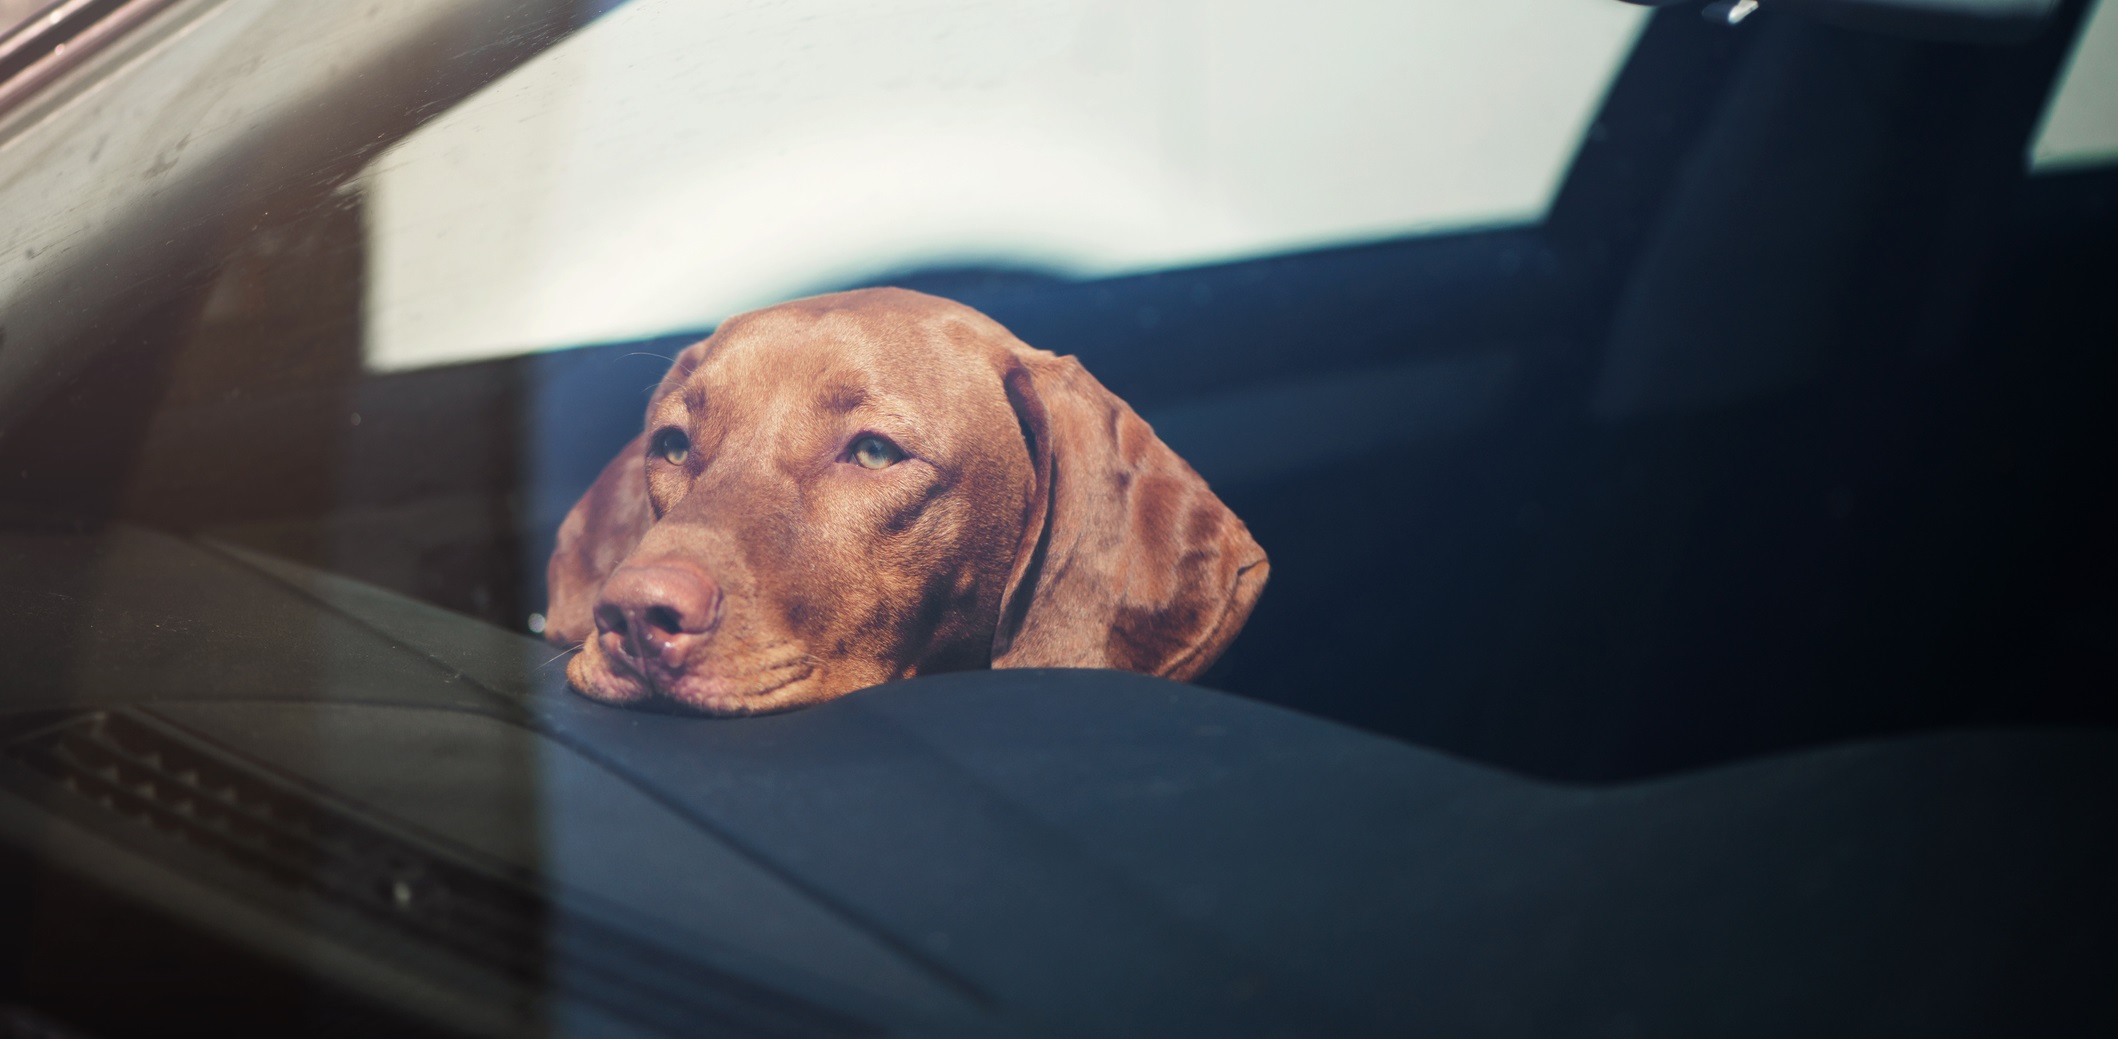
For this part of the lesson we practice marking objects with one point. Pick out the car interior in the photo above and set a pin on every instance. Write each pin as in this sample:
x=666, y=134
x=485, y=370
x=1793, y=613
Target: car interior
x=1693, y=611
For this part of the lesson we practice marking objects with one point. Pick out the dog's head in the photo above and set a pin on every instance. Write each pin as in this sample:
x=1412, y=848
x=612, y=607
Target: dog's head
x=843, y=490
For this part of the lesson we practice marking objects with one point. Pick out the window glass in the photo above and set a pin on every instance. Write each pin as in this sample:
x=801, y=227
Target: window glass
x=677, y=162
x=2081, y=126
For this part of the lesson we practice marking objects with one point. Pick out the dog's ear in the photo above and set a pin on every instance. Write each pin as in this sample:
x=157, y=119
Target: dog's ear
x=1127, y=559
x=599, y=532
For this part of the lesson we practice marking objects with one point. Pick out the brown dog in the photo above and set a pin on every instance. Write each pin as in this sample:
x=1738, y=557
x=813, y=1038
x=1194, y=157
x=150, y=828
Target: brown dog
x=843, y=490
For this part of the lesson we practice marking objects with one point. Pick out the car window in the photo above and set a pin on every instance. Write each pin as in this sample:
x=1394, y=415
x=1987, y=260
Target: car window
x=2081, y=125
x=678, y=162
x=1567, y=359
x=1592, y=416
x=1601, y=500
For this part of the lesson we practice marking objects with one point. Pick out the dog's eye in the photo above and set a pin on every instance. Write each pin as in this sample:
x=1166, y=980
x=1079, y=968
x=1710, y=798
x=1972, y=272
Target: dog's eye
x=672, y=446
x=873, y=452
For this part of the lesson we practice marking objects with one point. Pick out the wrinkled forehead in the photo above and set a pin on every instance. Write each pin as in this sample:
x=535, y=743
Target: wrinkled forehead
x=841, y=358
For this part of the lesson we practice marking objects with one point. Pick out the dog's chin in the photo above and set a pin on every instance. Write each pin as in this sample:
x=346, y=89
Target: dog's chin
x=719, y=693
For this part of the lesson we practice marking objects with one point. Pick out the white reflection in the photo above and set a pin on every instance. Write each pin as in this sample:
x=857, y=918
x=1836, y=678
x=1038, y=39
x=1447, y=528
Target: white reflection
x=678, y=161
x=2081, y=126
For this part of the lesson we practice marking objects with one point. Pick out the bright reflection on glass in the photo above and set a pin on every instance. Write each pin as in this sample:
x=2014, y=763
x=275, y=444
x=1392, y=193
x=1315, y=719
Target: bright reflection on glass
x=2081, y=127
x=677, y=161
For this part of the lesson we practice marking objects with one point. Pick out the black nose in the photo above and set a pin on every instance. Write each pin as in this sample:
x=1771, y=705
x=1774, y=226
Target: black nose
x=657, y=610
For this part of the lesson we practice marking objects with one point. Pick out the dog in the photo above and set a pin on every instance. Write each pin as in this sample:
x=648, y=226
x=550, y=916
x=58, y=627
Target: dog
x=849, y=489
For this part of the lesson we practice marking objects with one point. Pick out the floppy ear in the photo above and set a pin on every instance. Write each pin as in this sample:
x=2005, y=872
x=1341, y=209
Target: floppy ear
x=1127, y=559
x=599, y=532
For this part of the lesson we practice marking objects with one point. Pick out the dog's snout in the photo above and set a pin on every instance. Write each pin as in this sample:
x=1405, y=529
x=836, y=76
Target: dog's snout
x=656, y=610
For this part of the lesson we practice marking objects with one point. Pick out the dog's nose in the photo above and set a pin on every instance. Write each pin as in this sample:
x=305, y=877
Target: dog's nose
x=657, y=609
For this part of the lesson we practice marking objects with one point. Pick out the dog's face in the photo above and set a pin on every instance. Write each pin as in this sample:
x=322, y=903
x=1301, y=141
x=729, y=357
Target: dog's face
x=836, y=492
x=833, y=510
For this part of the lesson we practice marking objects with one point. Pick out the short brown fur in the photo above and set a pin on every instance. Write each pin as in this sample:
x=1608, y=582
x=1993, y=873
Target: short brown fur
x=1035, y=521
